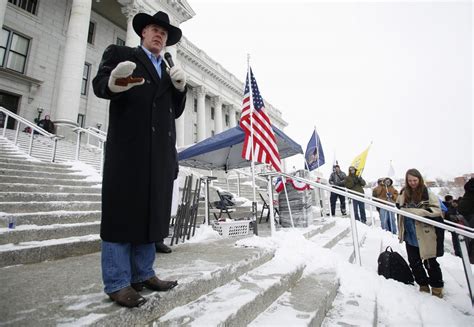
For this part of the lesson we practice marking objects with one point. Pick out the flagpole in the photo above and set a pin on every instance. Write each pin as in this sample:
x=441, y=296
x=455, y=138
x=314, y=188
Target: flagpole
x=317, y=170
x=254, y=202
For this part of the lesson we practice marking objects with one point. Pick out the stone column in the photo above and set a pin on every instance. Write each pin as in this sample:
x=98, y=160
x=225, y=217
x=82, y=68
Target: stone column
x=69, y=90
x=130, y=10
x=217, y=101
x=201, y=112
x=232, y=120
x=3, y=9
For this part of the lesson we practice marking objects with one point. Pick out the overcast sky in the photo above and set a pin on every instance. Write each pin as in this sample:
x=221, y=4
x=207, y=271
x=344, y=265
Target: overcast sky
x=395, y=73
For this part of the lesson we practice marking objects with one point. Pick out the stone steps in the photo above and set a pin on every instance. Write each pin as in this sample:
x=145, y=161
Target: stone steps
x=55, y=209
x=51, y=217
x=38, y=251
x=43, y=196
x=39, y=174
x=258, y=294
x=32, y=233
x=44, y=181
x=305, y=304
x=70, y=290
x=53, y=188
x=41, y=206
x=252, y=294
x=42, y=148
x=26, y=166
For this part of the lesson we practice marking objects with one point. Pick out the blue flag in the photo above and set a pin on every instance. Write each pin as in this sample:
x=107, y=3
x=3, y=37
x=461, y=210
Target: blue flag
x=314, y=154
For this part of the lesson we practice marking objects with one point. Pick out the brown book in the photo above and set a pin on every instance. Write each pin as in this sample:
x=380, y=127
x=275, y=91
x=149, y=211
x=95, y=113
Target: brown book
x=127, y=80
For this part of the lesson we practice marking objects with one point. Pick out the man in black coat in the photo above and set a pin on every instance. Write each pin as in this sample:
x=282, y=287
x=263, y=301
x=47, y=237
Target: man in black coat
x=140, y=156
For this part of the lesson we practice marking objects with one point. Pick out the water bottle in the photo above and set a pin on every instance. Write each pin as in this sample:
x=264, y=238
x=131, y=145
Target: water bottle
x=12, y=222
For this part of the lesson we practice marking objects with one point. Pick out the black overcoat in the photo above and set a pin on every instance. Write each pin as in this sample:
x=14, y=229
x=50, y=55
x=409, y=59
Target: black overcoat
x=140, y=154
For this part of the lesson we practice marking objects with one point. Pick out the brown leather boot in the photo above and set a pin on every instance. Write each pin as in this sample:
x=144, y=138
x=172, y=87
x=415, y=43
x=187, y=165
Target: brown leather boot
x=127, y=297
x=424, y=288
x=437, y=291
x=155, y=284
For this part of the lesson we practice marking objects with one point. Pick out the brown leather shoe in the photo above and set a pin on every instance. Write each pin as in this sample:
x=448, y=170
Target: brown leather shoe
x=425, y=288
x=127, y=297
x=155, y=284
x=437, y=291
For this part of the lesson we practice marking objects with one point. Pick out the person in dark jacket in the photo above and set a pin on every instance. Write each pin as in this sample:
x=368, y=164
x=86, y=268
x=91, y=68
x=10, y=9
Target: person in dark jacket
x=466, y=209
x=337, y=179
x=46, y=124
x=140, y=156
x=452, y=214
x=356, y=184
x=423, y=242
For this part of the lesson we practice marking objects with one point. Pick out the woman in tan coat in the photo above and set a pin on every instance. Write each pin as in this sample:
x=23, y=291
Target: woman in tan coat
x=423, y=242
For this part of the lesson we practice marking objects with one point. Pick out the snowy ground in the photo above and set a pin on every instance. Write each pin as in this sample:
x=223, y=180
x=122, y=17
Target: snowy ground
x=362, y=289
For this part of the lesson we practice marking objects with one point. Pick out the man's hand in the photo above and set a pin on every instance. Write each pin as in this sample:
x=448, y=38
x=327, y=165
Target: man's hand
x=178, y=78
x=120, y=78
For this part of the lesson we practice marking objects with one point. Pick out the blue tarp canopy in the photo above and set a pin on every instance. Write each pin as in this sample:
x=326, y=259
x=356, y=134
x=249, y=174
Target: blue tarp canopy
x=224, y=150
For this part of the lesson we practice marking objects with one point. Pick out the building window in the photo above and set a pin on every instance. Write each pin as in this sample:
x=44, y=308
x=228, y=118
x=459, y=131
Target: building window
x=81, y=120
x=120, y=41
x=227, y=120
x=195, y=133
x=91, y=33
x=28, y=5
x=212, y=113
x=237, y=118
x=195, y=105
x=85, y=78
x=213, y=133
x=13, y=51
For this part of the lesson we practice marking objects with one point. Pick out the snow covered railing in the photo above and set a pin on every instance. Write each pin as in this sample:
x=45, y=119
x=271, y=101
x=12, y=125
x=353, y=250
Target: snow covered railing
x=32, y=130
x=101, y=138
x=462, y=232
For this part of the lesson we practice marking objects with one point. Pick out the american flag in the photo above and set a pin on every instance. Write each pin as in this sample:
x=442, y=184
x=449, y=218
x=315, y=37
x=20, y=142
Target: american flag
x=264, y=141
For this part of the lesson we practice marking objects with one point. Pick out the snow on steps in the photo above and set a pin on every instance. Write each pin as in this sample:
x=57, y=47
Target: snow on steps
x=268, y=293
x=55, y=207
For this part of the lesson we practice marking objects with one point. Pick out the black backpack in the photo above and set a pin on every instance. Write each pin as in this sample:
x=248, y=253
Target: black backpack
x=392, y=265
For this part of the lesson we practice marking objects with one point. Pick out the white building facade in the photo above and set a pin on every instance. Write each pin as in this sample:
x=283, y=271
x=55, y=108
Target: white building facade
x=50, y=51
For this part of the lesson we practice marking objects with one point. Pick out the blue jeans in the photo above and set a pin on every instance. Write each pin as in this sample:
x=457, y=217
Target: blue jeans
x=126, y=263
x=388, y=221
x=359, y=206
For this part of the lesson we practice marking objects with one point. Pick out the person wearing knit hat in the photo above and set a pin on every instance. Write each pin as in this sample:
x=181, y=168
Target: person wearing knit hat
x=146, y=97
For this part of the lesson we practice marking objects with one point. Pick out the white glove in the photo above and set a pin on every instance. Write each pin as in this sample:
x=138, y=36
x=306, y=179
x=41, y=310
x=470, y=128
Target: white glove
x=120, y=79
x=178, y=77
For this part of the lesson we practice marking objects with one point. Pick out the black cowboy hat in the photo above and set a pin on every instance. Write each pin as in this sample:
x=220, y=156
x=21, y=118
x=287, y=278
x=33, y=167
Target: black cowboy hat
x=141, y=20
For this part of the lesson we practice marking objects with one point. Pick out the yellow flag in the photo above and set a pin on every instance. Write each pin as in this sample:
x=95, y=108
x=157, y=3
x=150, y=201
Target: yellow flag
x=359, y=161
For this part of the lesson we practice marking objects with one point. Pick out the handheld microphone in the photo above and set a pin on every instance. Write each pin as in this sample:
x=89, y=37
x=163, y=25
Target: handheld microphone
x=169, y=60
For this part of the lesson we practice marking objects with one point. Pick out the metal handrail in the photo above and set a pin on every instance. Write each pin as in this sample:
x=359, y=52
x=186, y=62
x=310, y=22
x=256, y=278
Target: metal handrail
x=392, y=204
x=96, y=130
x=101, y=138
x=460, y=231
x=33, y=128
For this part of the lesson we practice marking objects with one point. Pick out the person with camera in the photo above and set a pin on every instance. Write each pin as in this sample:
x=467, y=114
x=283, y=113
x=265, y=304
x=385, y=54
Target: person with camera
x=424, y=243
x=336, y=179
x=388, y=193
